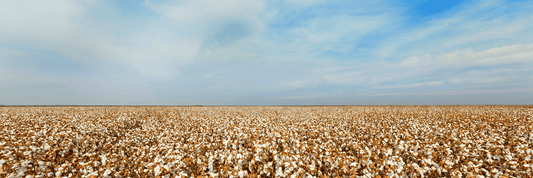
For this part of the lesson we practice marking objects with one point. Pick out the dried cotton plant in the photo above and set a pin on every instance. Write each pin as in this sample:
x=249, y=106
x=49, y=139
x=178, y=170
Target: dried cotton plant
x=347, y=141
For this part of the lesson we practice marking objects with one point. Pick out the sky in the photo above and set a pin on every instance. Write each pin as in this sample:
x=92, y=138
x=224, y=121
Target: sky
x=255, y=52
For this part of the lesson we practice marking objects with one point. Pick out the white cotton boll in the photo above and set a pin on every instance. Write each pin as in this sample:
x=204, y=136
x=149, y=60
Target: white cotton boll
x=354, y=164
x=89, y=169
x=33, y=148
x=58, y=173
x=389, y=152
x=368, y=175
x=513, y=164
x=392, y=174
x=107, y=174
x=157, y=170
x=508, y=157
x=369, y=152
x=46, y=147
x=104, y=159
x=242, y=174
x=295, y=175
x=210, y=164
x=84, y=171
x=279, y=173
x=2, y=162
x=182, y=174
x=399, y=169
x=96, y=163
x=21, y=171
x=226, y=143
x=213, y=174
x=93, y=174
x=289, y=170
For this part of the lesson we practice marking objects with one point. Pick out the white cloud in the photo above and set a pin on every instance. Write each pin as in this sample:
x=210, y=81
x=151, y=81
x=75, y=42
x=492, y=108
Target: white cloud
x=426, y=67
x=480, y=77
x=417, y=60
x=467, y=92
x=489, y=30
x=389, y=48
x=299, y=97
x=339, y=33
x=60, y=27
x=307, y=3
x=420, y=84
x=40, y=21
x=203, y=11
x=155, y=54
x=506, y=55
x=345, y=79
x=467, y=57
x=205, y=18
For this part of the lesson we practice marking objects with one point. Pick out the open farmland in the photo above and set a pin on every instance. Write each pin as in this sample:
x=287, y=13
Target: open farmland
x=344, y=141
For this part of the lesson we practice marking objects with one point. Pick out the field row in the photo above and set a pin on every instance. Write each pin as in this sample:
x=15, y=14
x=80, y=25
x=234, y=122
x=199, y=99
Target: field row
x=343, y=141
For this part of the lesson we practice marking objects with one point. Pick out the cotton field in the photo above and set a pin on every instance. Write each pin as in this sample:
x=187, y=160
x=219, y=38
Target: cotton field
x=336, y=141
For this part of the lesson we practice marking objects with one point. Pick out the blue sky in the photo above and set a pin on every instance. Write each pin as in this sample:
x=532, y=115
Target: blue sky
x=253, y=52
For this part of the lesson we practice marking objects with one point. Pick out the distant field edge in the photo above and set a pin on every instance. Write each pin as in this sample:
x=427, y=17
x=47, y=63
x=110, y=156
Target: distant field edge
x=527, y=105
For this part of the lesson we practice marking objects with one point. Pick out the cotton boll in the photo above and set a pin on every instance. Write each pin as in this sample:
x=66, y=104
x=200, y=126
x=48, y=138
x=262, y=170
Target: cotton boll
x=157, y=170
x=46, y=147
x=279, y=173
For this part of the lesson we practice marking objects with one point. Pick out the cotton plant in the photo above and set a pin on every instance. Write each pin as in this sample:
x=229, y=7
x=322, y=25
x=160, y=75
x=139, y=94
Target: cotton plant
x=369, y=141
